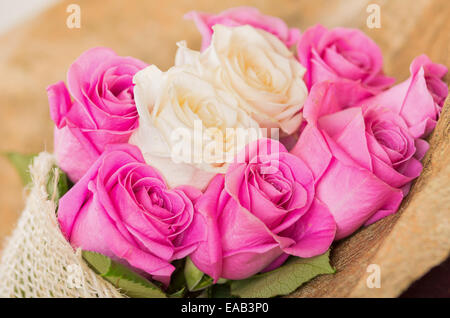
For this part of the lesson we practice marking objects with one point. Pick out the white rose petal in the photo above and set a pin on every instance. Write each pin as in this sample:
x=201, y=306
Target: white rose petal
x=258, y=69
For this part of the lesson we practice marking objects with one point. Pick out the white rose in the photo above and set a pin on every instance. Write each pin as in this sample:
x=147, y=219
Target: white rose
x=188, y=129
x=260, y=71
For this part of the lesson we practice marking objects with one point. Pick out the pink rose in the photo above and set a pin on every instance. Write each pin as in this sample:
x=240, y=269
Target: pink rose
x=122, y=208
x=363, y=159
x=419, y=99
x=102, y=111
x=262, y=211
x=243, y=16
x=394, y=152
x=342, y=53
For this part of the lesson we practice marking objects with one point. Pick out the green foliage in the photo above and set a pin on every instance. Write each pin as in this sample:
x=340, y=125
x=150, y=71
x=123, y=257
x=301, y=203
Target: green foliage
x=129, y=282
x=283, y=280
x=21, y=162
x=196, y=280
x=58, y=184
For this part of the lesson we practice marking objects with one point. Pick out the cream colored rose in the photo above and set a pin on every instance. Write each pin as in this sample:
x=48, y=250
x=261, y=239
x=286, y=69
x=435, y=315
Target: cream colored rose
x=188, y=129
x=258, y=69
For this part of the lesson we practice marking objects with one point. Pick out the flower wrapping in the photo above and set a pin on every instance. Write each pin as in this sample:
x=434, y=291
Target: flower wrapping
x=37, y=260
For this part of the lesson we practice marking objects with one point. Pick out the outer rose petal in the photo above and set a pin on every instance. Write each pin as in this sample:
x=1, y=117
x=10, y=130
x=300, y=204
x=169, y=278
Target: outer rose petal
x=245, y=255
x=276, y=263
x=353, y=194
x=393, y=177
x=76, y=149
x=246, y=241
x=421, y=148
x=433, y=74
x=59, y=102
x=208, y=256
x=333, y=96
x=313, y=233
x=244, y=265
x=74, y=152
x=418, y=99
x=347, y=129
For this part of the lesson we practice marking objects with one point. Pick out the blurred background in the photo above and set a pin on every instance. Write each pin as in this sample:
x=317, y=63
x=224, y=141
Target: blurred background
x=37, y=48
x=14, y=13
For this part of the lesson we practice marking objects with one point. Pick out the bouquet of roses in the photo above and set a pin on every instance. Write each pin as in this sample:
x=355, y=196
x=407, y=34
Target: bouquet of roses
x=233, y=172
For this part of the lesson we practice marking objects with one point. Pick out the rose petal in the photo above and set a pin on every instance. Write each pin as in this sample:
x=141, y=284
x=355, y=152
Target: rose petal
x=313, y=233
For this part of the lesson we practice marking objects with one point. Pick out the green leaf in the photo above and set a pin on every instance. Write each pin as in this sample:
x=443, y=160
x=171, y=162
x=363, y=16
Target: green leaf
x=195, y=279
x=21, y=162
x=205, y=282
x=129, y=282
x=58, y=184
x=178, y=294
x=177, y=287
x=283, y=280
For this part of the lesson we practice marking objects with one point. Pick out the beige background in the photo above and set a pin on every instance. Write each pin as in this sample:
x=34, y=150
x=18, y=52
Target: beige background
x=38, y=53
x=15, y=12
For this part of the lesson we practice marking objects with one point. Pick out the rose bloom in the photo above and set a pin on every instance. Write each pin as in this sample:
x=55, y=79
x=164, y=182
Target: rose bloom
x=263, y=210
x=419, y=99
x=342, y=53
x=102, y=111
x=243, y=16
x=188, y=128
x=258, y=69
x=123, y=209
x=363, y=158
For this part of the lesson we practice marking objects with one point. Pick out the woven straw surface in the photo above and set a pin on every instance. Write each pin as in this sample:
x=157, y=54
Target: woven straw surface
x=37, y=260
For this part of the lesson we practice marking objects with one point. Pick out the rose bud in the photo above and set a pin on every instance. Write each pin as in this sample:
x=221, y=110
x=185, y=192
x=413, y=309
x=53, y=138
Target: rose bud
x=243, y=16
x=342, y=53
x=263, y=210
x=123, y=209
x=102, y=111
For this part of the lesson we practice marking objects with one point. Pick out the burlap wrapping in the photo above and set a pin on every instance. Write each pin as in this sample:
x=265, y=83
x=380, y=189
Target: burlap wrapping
x=37, y=261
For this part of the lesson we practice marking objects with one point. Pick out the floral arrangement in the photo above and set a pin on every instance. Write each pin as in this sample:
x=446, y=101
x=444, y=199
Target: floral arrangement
x=233, y=172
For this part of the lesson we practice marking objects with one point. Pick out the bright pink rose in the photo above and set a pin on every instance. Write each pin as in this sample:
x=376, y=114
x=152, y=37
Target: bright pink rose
x=419, y=99
x=102, y=111
x=242, y=16
x=122, y=208
x=363, y=159
x=262, y=211
x=342, y=53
